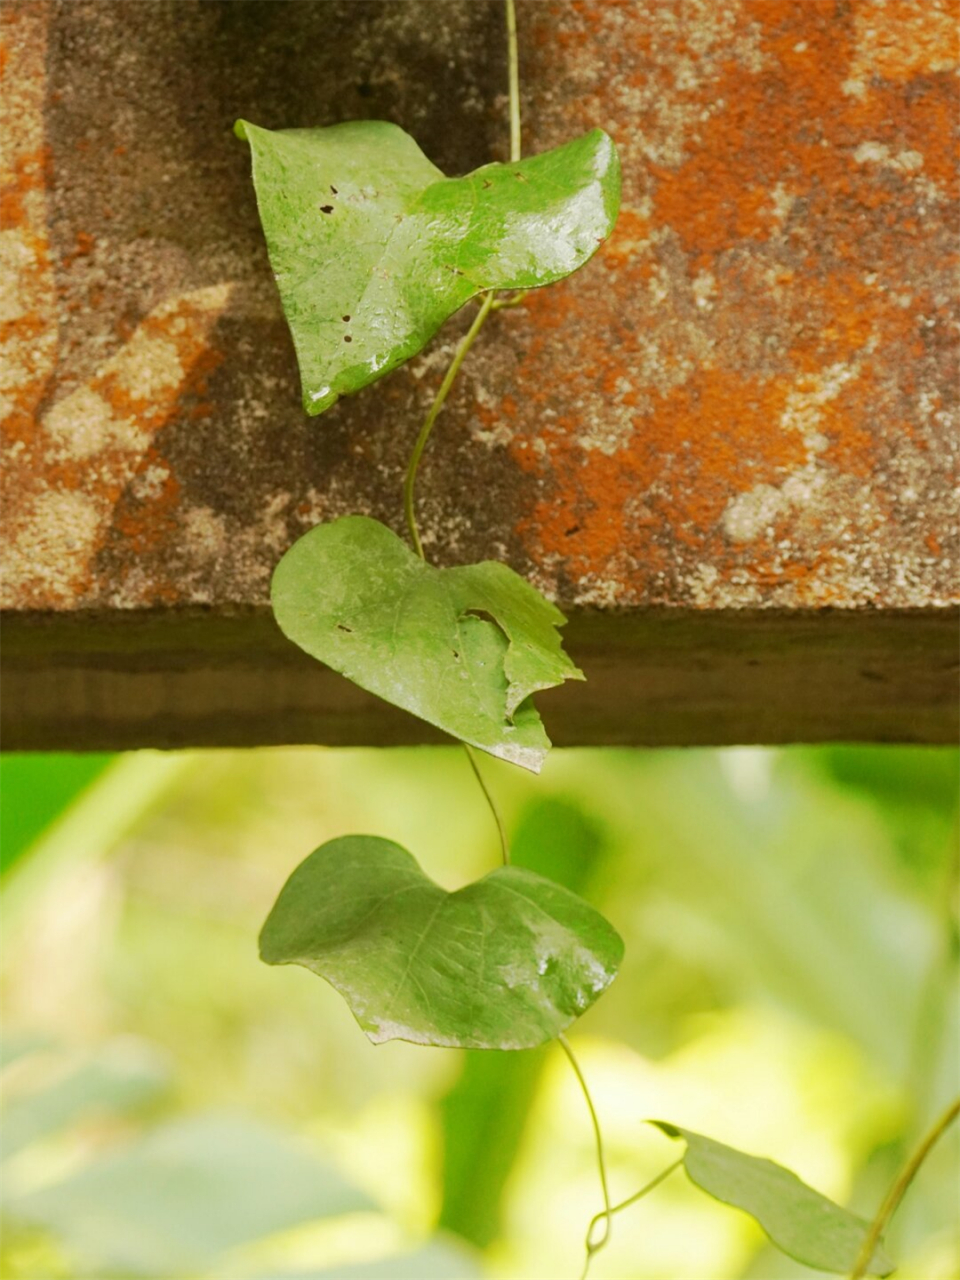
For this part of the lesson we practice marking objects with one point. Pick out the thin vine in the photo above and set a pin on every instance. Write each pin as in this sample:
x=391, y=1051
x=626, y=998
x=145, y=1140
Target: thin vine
x=899, y=1189
x=449, y=378
x=494, y=807
x=592, y=1246
x=606, y=1214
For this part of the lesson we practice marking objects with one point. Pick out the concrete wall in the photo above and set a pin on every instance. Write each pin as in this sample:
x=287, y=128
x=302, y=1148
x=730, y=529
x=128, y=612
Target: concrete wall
x=728, y=446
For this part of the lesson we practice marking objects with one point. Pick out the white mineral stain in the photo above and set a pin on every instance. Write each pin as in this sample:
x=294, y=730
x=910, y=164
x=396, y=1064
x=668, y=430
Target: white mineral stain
x=751, y=514
x=16, y=258
x=805, y=401
x=149, y=366
x=704, y=288
x=782, y=200
x=81, y=424
x=148, y=484
x=878, y=153
x=54, y=550
x=899, y=41
x=205, y=532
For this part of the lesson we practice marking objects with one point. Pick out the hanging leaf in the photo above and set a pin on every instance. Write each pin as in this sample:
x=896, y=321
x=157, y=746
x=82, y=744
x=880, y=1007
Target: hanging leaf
x=799, y=1221
x=373, y=248
x=462, y=648
x=505, y=963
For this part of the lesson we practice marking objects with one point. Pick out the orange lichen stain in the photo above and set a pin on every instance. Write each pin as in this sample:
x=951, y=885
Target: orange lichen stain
x=842, y=311
x=710, y=202
x=926, y=122
x=146, y=525
x=629, y=236
x=196, y=358
x=765, y=132
x=166, y=360
x=791, y=127
x=698, y=446
x=846, y=422
x=901, y=39
x=800, y=216
x=30, y=172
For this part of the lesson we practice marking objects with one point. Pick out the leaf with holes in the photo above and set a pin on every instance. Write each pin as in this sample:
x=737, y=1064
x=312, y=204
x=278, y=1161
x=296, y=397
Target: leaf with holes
x=462, y=648
x=505, y=963
x=373, y=248
x=799, y=1221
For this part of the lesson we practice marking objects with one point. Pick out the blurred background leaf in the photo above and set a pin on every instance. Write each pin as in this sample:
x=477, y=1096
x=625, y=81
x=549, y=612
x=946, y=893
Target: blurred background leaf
x=173, y=1201
x=36, y=788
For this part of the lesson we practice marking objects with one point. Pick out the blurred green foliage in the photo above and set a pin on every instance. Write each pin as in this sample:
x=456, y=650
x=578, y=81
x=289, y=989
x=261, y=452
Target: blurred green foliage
x=790, y=986
x=34, y=789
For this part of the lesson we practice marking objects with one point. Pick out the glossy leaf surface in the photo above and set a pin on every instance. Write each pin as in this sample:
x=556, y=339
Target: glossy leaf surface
x=353, y=594
x=504, y=963
x=373, y=248
x=799, y=1221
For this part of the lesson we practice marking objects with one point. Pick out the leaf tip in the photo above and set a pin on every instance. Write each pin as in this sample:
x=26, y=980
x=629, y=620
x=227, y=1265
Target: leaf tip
x=664, y=1126
x=267, y=954
x=318, y=401
x=240, y=129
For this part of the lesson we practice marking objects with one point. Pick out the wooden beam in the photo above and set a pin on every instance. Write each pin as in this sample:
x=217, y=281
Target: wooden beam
x=662, y=678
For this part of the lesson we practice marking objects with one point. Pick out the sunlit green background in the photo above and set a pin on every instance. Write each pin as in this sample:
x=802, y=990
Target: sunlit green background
x=175, y=1108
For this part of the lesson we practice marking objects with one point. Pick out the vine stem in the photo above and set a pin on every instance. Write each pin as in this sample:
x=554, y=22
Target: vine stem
x=411, y=478
x=513, y=59
x=899, y=1190
x=497, y=817
x=592, y=1247
x=625, y=1204
x=486, y=306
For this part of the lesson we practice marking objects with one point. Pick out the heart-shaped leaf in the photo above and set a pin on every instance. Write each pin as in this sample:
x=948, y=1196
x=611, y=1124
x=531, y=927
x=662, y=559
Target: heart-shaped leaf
x=373, y=248
x=462, y=648
x=505, y=963
x=799, y=1221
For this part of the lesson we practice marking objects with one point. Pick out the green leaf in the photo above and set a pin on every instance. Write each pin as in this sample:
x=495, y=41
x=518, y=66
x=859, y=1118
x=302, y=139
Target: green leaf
x=353, y=595
x=799, y=1221
x=505, y=963
x=373, y=248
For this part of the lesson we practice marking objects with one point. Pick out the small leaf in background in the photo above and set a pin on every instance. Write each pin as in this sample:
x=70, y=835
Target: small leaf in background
x=462, y=648
x=799, y=1221
x=171, y=1203
x=373, y=248
x=123, y=1076
x=504, y=963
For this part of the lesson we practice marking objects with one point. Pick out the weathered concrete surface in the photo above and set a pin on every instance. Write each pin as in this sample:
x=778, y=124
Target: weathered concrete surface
x=741, y=412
